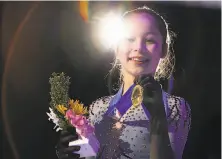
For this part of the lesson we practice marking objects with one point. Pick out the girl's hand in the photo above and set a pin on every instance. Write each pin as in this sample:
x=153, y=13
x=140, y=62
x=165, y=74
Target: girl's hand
x=63, y=150
x=152, y=96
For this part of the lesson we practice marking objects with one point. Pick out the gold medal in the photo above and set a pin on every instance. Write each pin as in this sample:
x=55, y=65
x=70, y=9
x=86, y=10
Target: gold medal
x=137, y=95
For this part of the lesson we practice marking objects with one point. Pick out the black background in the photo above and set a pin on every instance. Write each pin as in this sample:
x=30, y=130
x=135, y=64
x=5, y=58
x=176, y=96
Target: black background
x=55, y=38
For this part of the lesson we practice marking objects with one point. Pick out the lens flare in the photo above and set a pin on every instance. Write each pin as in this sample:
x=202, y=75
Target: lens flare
x=111, y=30
x=84, y=10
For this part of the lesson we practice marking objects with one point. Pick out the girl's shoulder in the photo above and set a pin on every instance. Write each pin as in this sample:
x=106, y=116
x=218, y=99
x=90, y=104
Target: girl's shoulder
x=172, y=101
x=98, y=108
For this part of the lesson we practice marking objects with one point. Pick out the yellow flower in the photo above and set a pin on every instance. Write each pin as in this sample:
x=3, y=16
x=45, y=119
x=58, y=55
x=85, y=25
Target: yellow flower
x=61, y=109
x=77, y=107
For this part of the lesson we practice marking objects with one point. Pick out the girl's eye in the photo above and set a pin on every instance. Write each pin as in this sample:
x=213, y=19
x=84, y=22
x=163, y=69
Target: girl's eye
x=130, y=39
x=150, y=41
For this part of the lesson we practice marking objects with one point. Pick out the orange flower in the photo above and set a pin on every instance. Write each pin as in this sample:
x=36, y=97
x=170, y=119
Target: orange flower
x=77, y=107
x=61, y=109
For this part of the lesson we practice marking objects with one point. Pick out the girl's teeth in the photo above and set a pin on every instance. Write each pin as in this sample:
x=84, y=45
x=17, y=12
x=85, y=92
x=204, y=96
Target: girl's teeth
x=137, y=59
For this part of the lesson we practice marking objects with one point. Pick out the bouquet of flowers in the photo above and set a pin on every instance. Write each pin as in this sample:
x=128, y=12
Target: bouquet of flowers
x=66, y=112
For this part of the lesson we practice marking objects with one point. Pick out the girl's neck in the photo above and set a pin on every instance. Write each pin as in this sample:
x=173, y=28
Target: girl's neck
x=128, y=80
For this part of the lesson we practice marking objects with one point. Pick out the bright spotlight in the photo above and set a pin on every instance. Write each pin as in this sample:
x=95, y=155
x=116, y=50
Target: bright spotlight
x=111, y=30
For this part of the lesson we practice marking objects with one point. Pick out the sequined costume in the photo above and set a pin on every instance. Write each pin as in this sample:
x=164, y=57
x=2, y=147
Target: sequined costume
x=131, y=140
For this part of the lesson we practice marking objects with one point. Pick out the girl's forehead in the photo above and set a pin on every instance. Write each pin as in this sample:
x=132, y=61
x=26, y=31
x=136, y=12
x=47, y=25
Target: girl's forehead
x=139, y=23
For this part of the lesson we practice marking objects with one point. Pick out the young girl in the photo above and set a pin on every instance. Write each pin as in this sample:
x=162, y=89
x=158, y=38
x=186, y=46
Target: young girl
x=141, y=120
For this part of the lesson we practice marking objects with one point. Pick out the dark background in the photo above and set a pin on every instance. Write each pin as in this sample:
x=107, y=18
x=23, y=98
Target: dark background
x=55, y=38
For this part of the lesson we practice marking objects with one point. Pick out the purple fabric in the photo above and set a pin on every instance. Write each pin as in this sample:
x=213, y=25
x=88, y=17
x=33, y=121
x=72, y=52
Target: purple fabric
x=123, y=104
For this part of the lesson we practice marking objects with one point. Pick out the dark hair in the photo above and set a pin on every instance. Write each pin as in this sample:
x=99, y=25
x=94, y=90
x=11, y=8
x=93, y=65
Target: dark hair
x=166, y=65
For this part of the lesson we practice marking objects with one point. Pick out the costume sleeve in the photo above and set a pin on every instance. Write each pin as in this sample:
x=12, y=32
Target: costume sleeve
x=179, y=126
x=92, y=112
x=98, y=108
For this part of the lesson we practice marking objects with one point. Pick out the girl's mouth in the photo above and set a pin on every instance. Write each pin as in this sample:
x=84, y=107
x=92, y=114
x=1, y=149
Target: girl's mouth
x=138, y=60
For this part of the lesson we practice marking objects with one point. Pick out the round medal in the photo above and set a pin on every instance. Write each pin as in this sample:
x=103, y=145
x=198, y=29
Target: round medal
x=137, y=95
